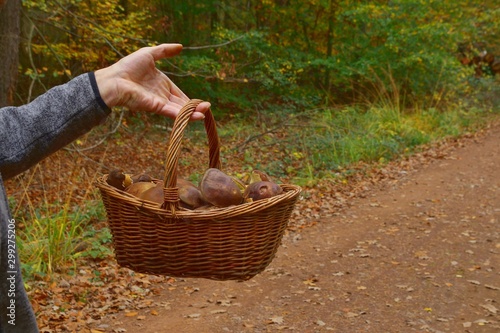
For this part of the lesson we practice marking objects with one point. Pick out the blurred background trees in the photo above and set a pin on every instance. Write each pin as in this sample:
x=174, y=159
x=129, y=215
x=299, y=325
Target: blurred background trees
x=269, y=55
x=9, y=42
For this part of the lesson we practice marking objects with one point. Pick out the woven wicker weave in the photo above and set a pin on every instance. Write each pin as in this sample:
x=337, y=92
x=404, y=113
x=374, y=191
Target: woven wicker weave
x=232, y=243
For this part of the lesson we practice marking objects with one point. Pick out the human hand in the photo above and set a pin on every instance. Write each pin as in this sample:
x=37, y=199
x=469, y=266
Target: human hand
x=135, y=82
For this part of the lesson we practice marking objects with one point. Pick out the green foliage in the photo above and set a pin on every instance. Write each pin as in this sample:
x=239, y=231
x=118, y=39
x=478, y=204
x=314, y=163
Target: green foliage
x=98, y=243
x=337, y=52
x=414, y=40
x=66, y=38
x=248, y=74
x=271, y=55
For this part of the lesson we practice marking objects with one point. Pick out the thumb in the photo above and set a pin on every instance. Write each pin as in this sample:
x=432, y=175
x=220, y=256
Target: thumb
x=165, y=51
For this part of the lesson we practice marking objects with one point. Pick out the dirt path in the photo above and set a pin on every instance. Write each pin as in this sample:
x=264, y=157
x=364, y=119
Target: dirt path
x=418, y=254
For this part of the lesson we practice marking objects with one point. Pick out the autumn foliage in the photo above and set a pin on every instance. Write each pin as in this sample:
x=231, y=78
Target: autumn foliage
x=291, y=55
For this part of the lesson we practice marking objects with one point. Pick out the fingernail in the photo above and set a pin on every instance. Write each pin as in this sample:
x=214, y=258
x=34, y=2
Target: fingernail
x=198, y=116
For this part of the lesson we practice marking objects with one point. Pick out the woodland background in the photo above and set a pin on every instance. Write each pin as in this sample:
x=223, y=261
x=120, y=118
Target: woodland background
x=314, y=92
x=285, y=55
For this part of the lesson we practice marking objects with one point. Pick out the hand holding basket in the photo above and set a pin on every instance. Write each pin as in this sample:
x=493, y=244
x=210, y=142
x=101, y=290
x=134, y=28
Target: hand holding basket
x=231, y=243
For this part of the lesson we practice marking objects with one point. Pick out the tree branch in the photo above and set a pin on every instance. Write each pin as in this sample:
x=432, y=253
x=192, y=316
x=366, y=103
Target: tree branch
x=212, y=46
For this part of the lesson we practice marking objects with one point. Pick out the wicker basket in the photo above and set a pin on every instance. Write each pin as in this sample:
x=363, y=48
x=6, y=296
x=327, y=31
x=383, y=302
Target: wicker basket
x=233, y=243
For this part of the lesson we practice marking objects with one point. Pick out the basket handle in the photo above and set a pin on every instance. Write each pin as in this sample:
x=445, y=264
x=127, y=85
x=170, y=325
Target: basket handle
x=170, y=190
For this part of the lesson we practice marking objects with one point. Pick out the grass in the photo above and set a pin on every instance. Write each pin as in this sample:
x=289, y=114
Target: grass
x=324, y=143
x=56, y=223
x=52, y=239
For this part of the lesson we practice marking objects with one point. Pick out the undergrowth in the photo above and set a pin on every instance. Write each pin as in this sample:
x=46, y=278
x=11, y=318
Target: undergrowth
x=323, y=143
x=57, y=216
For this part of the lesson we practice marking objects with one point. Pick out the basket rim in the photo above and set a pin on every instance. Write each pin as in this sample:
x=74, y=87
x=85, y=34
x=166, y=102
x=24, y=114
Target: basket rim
x=170, y=208
x=291, y=192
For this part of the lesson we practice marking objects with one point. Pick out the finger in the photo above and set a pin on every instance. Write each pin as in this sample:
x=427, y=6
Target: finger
x=199, y=112
x=197, y=116
x=172, y=110
x=169, y=111
x=203, y=107
x=165, y=51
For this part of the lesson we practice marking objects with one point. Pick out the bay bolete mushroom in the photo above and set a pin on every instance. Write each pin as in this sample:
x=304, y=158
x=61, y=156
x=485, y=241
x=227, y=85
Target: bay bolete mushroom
x=219, y=189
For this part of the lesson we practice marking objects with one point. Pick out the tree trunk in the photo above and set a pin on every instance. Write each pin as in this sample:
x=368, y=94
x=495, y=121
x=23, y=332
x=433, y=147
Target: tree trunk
x=9, y=48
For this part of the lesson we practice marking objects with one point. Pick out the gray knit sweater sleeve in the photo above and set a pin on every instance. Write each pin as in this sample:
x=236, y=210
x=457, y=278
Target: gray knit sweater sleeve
x=33, y=131
x=28, y=134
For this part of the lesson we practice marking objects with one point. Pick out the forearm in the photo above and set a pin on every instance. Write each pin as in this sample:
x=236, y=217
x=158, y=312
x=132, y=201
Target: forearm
x=31, y=132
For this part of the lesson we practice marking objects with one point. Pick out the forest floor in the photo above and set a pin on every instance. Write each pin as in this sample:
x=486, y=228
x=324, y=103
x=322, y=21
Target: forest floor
x=412, y=247
x=418, y=251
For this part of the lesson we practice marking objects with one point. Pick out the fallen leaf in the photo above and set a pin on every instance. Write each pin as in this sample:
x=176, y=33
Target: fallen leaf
x=224, y=302
x=481, y=322
x=474, y=282
x=351, y=315
x=320, y=322
x=310, y=282
x=422, y=255
x=490, y=307
x=276, y=320
x=491, y=287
